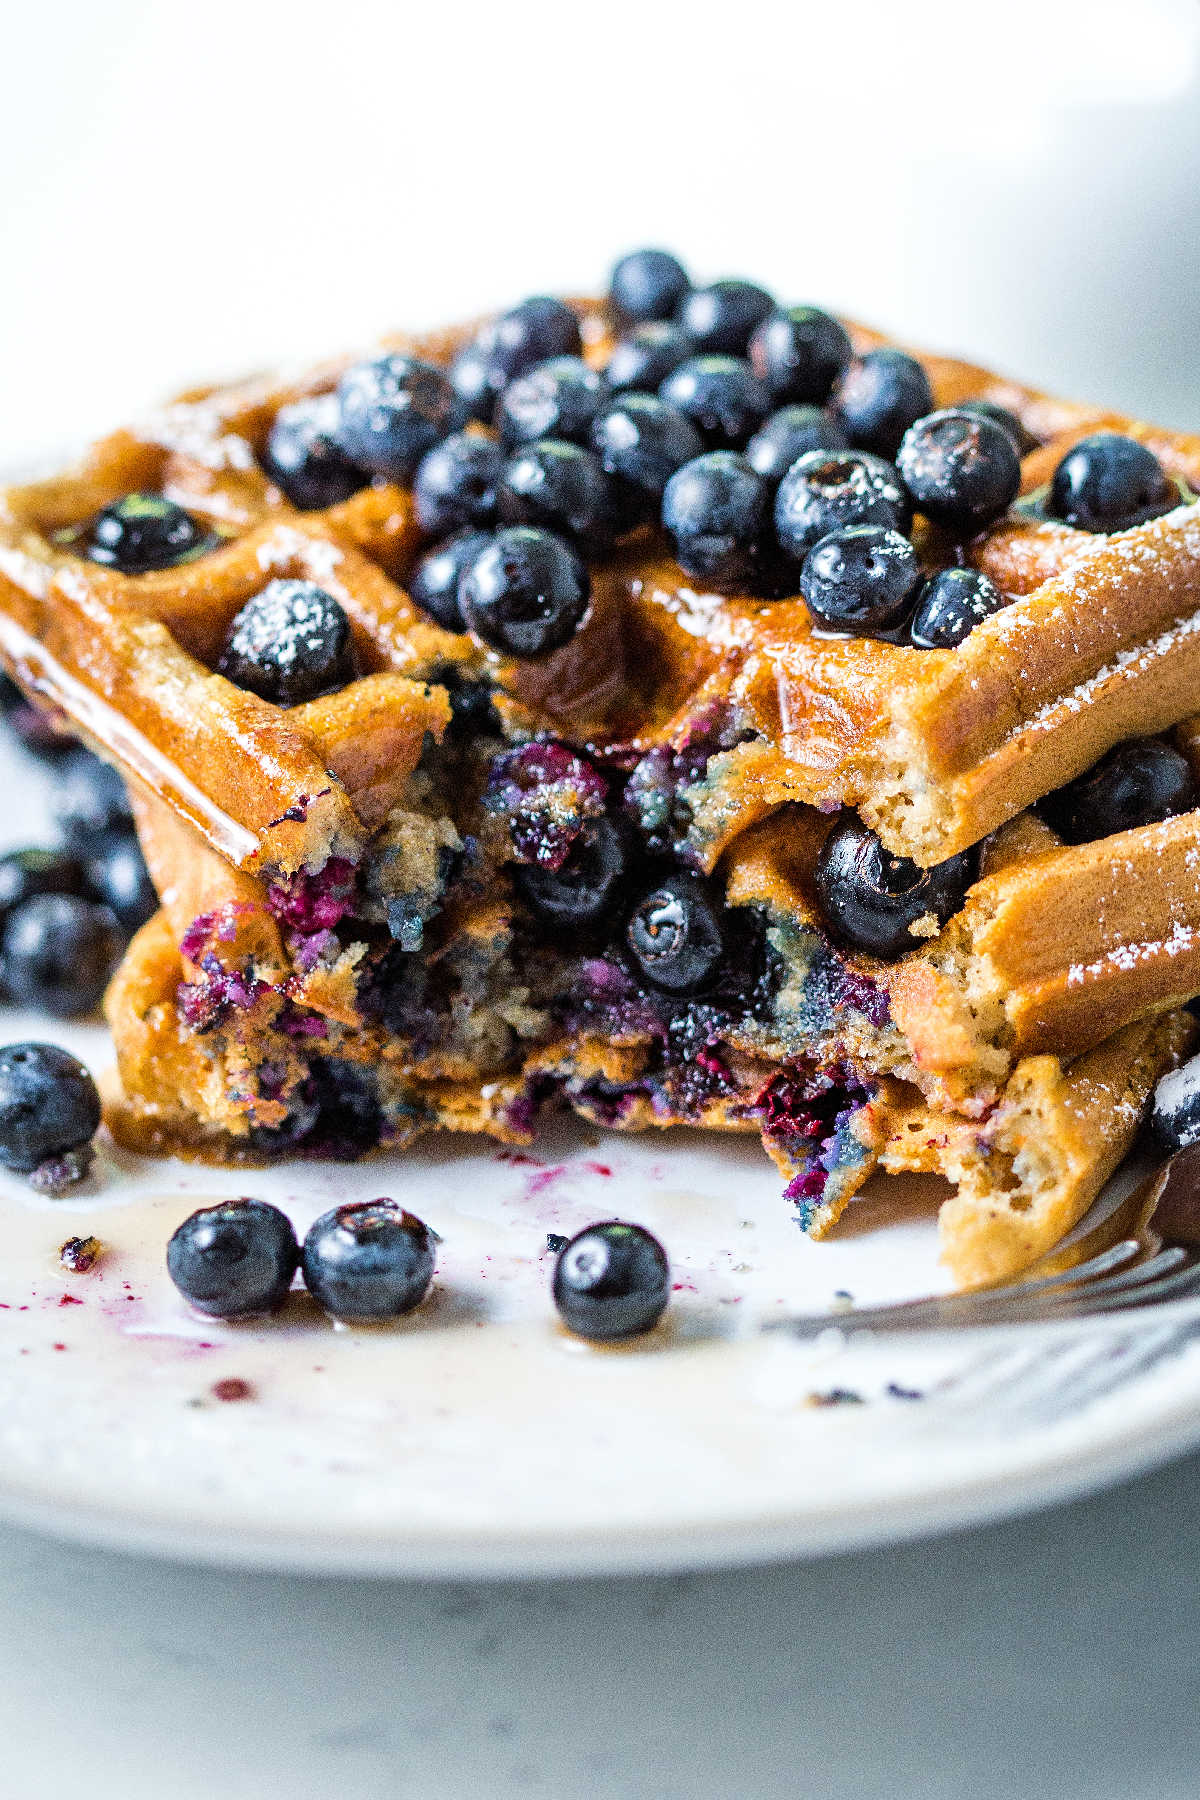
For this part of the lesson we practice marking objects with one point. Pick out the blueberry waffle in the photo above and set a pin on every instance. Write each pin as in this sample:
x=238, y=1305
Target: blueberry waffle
x=678, y=707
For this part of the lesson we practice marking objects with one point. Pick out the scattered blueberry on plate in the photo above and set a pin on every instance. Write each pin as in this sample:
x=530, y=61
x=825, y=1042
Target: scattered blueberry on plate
x=234, y=1260
x=368, y=1262
x=611, y=1281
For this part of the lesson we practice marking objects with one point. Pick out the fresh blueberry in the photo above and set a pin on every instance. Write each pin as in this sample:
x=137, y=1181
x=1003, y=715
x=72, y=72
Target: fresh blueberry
x=646, y=356
x=235, y=1259
x=303, y=458
x=35, y=729
x=879, y=396
x=368, y=1262
x=675, y=935
x=27, y=873
x=1140, y=782
x=583, y=889
x=119, y=879
x=526, y=592
x=143, y=532
x=716, y=510
x=556, y=399
x=641, y=441
x=723, y=317
x=391, y=410
x=434, y=581
x=1023, y=441
x=49, y=1106
x=790, y=434
x=1108, y=482
x=455, y=484
x=289, y=644
x=862, y=579
x=800, y=353
x=721, y=395
x=89, y=801
x=475, y=382
x=611, y=1281
x=648, y=284
x=510, y=344
x=58, y=952
x=563, y=488
x=872, y=898
x=1175, y=1119
x=961, y=469
x=825, y=490
x=951, y=606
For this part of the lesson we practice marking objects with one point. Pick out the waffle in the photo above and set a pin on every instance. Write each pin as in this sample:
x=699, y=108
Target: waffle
x=267, y=1008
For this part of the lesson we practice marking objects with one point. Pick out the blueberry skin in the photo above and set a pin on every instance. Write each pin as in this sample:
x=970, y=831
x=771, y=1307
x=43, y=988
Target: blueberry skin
x=790, y=434
x=879, y=396
x=647, y=284
x=289, y=644
x=863, y=579
x=562, y=488
x=455, y=483
x=33, y=728
x=641, y=441
x=90, y=801
x=1140, y=782
x=611, y=1281
x=723, y=317
x=303, y=457
x=675, y=935
x=475, y=382
x=584, y=888
x=119, y=879
x=144, y=532
x=951, y=606
x=556, y=399
x=1022, y=441
x=526, y=592
x=871, y=897
x=391, y=410
x=26, y=873
x=646, y=356
x=368, y=1262
x=48, y=1105
x=234, y=1260
x=539, y=328
x=721, y=395
x=716, y=510
x=961, y=469
x=800, y=353
x=826, y=490
x=1175, y=1118
x=1109, y=482
x=57, y=953
x=434, y=581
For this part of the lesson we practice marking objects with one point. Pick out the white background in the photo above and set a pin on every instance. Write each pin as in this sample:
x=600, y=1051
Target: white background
x=198, y=189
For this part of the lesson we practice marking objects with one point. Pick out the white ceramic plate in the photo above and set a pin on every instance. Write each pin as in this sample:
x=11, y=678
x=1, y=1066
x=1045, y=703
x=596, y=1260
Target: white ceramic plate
x=477, y=1437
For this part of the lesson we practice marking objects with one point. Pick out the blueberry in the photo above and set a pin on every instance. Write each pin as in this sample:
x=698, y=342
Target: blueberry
x=26, y=873
x=1108, y=482
x=235, y=1259
x=863, y=579
x=961, y=469
x=646, y=356
x=1140, y=782
x=790, y=434
x=556, y=399
x=119, y=879
x=475, y=382
x=472, y=710
x=303, y=458
x=368, y=1262
x=35, y=729
x=58, y=953
x=289, y=644
x=721, y=395
x=455, y=483
x=563, y=488
x=391, y=410
x=800, y=353
x=675, y=935
x=48, y=1105
x=1023, y=441
x=526, y=592
x=641, y=441
x=90, y=801
x=825, y=490
x=612, y=1281
x=872, y=898
x=648, y=284
x=583, y=889
x=434, y=581
x=723, y=316
x=716, y=509
x=951, y=606
x=1175, y=1119
x=507, y=346
x=879, y=396
x=143, y=532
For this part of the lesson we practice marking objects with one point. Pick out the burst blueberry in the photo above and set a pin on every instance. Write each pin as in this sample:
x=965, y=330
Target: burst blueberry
x=455, y=484
x=435, y=580
x=645, y=356
x=879, y=396
x=304, y=458
x=234, y=1260
x=800, y=353
x=368, y=1262
x=648, y=284
x=961, y=468
x=722, y=397
x=556, y=399
x=612, y=1281
x=1109, y=482
x=391, y=410
x=826, y=490
x=872, y=899
x=641, y=441
x=675, y=935
x=144, y=532
x=57, y=953
x=289, y=644
x=789, y=434
x=1141, y=782
x=526, y=592
x=723, y=317
x=563, y=488
x=49, y=1106
x=862, y=579
x=585, y=887
x=716, y=510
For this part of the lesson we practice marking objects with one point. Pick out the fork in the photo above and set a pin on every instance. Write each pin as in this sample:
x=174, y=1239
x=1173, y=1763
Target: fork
x=1130, y=1251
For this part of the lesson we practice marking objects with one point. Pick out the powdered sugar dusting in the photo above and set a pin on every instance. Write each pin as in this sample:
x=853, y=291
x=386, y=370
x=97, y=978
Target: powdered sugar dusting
x=1125, y=958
